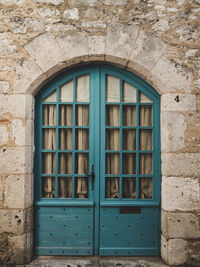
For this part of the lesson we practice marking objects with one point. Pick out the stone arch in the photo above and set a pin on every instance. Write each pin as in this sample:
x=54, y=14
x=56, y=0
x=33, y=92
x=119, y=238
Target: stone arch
x=127, y=47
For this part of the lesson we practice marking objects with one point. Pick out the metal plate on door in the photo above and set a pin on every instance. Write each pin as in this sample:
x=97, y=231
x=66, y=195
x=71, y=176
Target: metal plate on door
x=130, y=210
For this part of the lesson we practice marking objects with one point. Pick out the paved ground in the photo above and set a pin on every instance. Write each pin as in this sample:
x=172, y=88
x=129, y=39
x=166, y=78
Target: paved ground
x=97, y=262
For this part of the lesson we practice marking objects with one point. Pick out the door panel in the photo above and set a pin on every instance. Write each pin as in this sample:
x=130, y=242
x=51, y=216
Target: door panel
x=97, y=165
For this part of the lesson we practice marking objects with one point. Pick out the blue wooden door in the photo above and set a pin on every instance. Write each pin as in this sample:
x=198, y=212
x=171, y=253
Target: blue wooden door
x=97, y=165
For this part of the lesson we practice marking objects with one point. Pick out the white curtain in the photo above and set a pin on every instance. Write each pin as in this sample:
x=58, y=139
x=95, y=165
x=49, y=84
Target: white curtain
x=49, y=143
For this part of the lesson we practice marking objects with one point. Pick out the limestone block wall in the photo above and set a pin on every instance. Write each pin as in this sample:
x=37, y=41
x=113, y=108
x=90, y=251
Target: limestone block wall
x=157, y=40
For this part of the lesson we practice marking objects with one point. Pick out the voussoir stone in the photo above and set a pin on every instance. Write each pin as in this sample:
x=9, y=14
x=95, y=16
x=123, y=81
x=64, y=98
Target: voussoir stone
x=147, y=50
x=120, y=40
x=44, y=50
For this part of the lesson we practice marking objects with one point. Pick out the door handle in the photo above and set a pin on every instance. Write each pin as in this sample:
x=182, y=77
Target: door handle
x=92, y=175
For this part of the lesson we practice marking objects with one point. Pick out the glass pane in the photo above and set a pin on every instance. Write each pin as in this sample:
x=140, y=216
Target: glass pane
x=82, y=88
x=66, y=115
x=66, y=92
x=112, y=116
x=145, y=116
x=51, y=97
x=129, y=139
x=81, y=163
x=65, y=139
x=129, y=163
x=48, y=187
x=48, y=163
x=129, y=115
x=145, y=164
x=129, y=188
x=49, y=115
x=65, y=187
x=112, y=139
x=49, y=139
x=112, y=89
x=112, y=188
x=129, y=93
x=145, y=188
x=81, y=188
x=82, y=115
x=112, y=163
x=82, y=139
x=65, y=163
x=145, y=139
x=144, y=98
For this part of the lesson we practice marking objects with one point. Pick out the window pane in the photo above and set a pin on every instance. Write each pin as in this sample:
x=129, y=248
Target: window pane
x=65, y=163
x=145, y=139
x=49, y=115
x=82, y=88
x=129, y=188
x=129, y=163
x=51, y=98
x=49, y=139
x=81, y=163
x=81, y=188
x=144, y=98
x=48, y=163
x=145, y=116
x=129, y=116
x=65, y=187
x=66, y=92
x=112, y=116
x=145, y=188
x=66, y=115
x=82, y=115
x=82, y=139
x=129, y=93
x=129, y=139
x=145, y=163
x=48, y=187
x=112, y=89
x=112, y=163
x=65, y=139
x=112, y=188
x=112, y=139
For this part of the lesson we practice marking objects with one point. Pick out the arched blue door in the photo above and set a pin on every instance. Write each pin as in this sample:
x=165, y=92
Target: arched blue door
x=97, y=164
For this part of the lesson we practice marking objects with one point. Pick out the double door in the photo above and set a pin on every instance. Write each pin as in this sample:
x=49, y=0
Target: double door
x=97, y=165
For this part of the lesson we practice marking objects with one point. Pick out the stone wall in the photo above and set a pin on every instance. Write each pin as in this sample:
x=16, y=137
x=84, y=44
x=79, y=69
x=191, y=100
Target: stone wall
x=156, y=39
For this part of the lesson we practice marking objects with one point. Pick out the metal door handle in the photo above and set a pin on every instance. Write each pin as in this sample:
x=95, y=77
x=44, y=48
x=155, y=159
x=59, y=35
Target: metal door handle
x=92, y=175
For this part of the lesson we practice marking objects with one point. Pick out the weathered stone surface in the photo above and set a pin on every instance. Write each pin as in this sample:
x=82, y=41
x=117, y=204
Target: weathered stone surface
x=18, y=191
x=20, y=160
x=44, y=50
x=7, y=47
x=27, y=72
x=173, y=126
x=20, y=25
x=96, y=45
x=83, y=2
x=21, y=248
x=115, y=2
x=4, y=135
x=174, y=251
x=54, y=2
x=4, y=87
x=180, y=225
x=180, y=193
x=178, y=102
x=120, y=40
x=174, y=78
x=22, y=132
x=182, y=164
x=12, y=221
x=73, y=45
x=16, y=106
x=147, y=50
x=161, y=25
x=71, y=14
